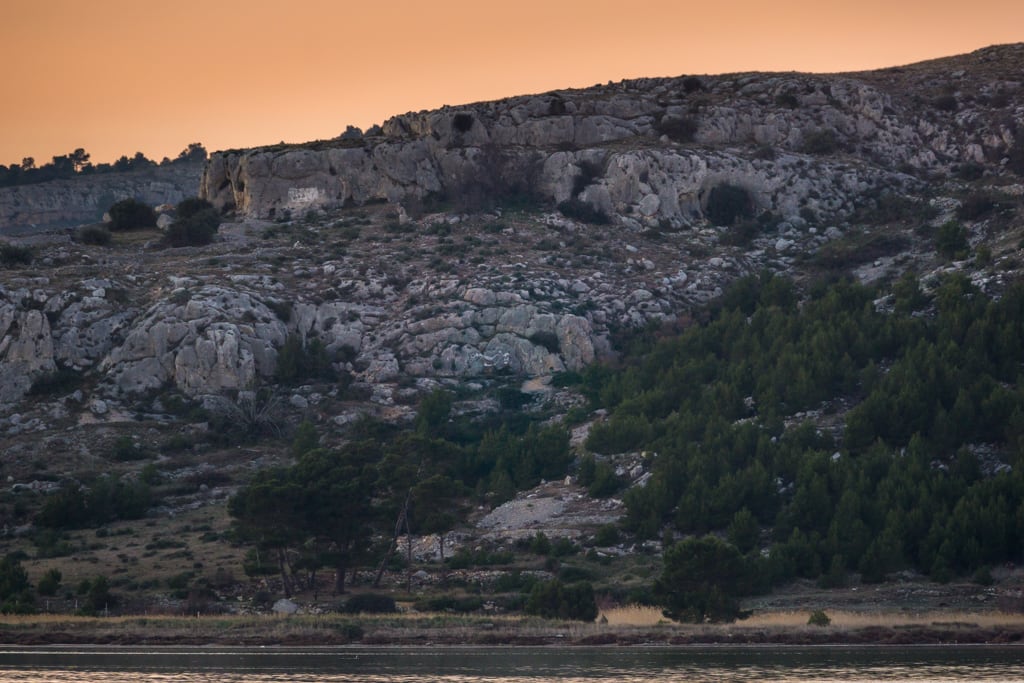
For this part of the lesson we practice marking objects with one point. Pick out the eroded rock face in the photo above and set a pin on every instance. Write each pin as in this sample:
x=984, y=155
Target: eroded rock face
x=793, y=141
x=25, y=209
x=204, y=341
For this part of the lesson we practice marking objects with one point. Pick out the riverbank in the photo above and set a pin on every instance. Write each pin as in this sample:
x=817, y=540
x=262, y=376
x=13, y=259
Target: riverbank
x=451, y=630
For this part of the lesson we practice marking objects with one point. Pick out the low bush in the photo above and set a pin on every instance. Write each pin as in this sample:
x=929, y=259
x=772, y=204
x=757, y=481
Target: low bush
x=822, y=141
x=449, y=603
x=197, y=229
x=677, y=129
x=131, y=214
x=13, y=255
x=819, y=618
x=976, y=206
x=97, y=235
x=580, y=210
x=369, y=603
x=558, y=600
x=728, y=203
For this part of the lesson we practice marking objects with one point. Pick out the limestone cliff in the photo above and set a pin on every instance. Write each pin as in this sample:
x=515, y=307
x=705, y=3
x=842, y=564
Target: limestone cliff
x=25, y=209
x=648, y=152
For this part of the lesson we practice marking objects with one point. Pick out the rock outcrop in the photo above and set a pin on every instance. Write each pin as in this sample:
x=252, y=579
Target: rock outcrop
x=648, y=152
x=25, y=209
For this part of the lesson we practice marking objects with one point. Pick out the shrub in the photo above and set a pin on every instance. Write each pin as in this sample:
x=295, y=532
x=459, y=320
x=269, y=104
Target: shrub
x=692, y=84
x=297, y=362
x=557, y=600
x=13, y=255
x=787, y=100
x=449, y=603
x=369, y=603
x=727, y=203
x=97, y=235
x=191, y=206
x=945, y=103
x=677, y=129
x=130, y=214
x=580, y=210
x=196, y=229
x=819, y=618
x=462, y=123
x=1015, y=155
x=49, y=584
x=975, y=206
x=607, y=535
x=951, y=240
x=970, y=171
x=822, y=141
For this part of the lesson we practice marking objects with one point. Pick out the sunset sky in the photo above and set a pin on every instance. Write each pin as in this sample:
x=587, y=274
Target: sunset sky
x=121, y=76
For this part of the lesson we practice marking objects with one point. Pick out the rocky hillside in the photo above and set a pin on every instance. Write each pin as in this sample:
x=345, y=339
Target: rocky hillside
x=481, y=248
x=29, y=209
x=648, y=153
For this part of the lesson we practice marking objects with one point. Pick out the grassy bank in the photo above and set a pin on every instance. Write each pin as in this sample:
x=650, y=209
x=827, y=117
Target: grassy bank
x=629, y=626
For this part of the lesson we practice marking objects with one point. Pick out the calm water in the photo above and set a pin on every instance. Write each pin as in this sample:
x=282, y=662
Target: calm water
x=475, y=665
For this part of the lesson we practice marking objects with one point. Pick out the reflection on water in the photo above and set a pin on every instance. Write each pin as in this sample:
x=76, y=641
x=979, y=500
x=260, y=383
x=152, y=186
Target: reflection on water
x=476, y=665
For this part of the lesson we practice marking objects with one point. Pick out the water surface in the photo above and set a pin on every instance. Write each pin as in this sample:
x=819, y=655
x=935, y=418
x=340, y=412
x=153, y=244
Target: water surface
x=508, y=665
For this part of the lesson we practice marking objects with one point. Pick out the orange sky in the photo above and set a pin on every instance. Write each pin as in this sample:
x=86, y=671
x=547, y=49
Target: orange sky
x=120, y=76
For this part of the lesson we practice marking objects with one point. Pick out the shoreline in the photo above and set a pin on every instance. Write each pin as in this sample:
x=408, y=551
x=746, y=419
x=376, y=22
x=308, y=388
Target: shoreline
x=45, y=631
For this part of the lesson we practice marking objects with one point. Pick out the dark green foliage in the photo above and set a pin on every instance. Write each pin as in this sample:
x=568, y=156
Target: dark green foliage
x=462, y=122
x=728, y=203
x=557, y=600
x=126, y=450
x=599, y=477
x=951, y=240
x=822, y=141
x=579, y=210
x=98, y=597
x=49, y=584
x=692, y=84
x=450, y=603
x=607, y=535
x=975, y=206
x=97, y=235
x=13, y=255
x=1015, y=155
x=464, y=559
x=701, y=580
x=15, y=589
x=898, y=490
x=970, y=171
x=131, y=214
x=305, y=440
x=61, y=381
x=191, y=206
x=195, y=229
x=549, y=340
x=301, y=360
x=677, y=129
x=787, y=100
x=818, y=618
x=433, y=413
x=108, y=499
x=369, y=603
x=945, y=103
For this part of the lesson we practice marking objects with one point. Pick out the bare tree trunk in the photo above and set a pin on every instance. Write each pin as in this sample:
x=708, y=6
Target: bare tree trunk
x=339, y=575
x=394, y=539
x=282, y=565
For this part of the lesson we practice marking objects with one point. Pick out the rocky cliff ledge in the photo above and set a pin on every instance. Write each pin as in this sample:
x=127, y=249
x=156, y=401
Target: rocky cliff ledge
x=26, y=209
x=647, y=153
